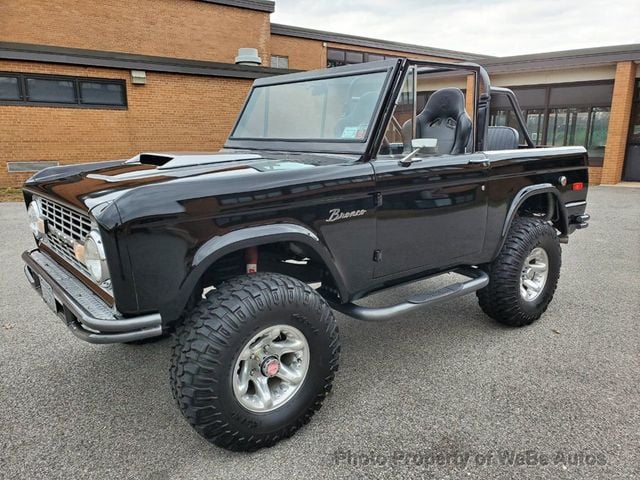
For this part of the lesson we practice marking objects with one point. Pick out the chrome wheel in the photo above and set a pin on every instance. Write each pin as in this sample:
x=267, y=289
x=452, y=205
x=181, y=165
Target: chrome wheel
x=271, y=368
x=534, y=274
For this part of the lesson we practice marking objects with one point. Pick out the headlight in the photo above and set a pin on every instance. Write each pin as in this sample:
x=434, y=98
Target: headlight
x=94, y=257
x=36, y=222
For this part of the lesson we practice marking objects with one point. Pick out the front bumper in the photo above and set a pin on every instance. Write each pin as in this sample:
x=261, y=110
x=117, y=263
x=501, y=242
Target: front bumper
x=87, y=315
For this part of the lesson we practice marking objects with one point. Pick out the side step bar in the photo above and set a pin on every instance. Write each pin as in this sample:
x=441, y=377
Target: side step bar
x=477, y=279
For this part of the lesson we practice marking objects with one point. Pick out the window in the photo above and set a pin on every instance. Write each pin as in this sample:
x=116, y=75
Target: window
x=36, y=166
x=373, y=57
x=535, y=124
x=598, y=126
x=354, y=57
x=579, y=95
x=9, y=88
x=634, y=126
x=101, y=93
x=279, y=61
x=562, y=114
x=52, y=90
x=337, y=57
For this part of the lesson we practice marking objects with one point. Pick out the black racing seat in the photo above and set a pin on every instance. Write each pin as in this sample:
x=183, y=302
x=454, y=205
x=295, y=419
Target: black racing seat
x=502, y=138
x=443, y=118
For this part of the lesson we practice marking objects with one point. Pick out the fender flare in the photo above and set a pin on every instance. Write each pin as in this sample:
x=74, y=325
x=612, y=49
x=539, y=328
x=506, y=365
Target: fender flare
x=218, y=247
x=531, y=191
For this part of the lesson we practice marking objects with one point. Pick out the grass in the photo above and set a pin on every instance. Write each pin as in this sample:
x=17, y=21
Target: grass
x=10, y=194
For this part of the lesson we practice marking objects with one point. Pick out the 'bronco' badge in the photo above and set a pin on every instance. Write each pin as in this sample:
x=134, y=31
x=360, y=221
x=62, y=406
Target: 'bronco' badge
x=336, y=214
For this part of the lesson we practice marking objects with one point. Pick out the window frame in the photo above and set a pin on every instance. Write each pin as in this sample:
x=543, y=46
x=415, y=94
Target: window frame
x=278, y=58
x=356, y=148
x=76, y=81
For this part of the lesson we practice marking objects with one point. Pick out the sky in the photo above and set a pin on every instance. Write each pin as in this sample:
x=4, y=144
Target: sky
x=498, y=27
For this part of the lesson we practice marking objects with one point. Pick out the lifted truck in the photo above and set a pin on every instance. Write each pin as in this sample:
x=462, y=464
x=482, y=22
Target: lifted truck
x=333, y=185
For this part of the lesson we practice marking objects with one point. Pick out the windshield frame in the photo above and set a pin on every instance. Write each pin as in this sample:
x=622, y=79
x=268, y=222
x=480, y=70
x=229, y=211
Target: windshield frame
x=331, y=145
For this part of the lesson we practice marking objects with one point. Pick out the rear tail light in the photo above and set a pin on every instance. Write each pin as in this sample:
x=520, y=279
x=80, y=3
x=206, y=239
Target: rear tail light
x=577, y=186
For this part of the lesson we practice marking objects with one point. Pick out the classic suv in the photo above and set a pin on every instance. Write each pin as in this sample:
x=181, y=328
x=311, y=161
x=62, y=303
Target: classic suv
x=332, y=185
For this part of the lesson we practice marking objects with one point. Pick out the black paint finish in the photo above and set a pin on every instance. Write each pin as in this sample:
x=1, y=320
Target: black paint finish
x=163, y=229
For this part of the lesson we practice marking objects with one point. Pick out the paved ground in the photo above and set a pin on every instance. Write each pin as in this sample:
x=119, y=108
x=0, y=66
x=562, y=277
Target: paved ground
x=430, y=396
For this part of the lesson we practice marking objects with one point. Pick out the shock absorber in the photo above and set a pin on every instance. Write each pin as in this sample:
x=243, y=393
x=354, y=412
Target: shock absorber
x=251, y=259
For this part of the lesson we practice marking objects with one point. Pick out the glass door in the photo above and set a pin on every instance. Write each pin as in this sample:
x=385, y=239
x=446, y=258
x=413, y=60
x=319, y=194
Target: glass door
x=631, y=171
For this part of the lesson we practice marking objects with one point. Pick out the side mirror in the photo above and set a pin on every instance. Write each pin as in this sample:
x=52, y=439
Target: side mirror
x=419, y=145
x=425, y=145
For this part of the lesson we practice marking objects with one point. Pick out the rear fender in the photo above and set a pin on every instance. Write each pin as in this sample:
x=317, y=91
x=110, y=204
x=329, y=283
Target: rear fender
x=531, y=191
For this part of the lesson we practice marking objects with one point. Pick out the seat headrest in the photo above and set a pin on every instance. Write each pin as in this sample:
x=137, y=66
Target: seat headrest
x=502, y=138
x=446, y=102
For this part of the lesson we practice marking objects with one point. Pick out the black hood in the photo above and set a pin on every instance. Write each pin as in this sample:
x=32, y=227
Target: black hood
x=169, y=175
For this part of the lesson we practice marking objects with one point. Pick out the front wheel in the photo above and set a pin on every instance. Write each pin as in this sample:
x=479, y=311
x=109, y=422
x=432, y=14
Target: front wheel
x=524, y=276
x=254, y=361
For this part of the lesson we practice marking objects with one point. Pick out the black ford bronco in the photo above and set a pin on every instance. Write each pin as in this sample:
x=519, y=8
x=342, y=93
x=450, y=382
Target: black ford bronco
x=332, y=185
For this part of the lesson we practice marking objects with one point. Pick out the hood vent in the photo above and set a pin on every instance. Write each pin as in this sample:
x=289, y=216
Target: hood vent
x=156, y=159
x=167, y=161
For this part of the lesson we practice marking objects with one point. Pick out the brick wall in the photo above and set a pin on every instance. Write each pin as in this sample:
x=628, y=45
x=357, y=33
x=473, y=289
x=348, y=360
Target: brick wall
x=170, y=28
x=595, y=175
x=169, y=113
x=303, y=54
x=621, y=103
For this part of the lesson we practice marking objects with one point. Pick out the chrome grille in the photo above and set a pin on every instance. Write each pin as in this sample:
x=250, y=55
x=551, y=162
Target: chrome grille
x=70, y=223
x=64, y=226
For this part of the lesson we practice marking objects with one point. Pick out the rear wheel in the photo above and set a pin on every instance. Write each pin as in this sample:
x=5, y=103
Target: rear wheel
x=524, y=276
x=254, y=361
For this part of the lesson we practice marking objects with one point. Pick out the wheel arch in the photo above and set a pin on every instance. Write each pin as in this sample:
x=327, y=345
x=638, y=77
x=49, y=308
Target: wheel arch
x=218, y=247
x=546, y=193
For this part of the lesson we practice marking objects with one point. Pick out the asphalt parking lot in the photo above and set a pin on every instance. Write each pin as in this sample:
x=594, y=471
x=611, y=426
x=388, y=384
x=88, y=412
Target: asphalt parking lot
x=443, y=393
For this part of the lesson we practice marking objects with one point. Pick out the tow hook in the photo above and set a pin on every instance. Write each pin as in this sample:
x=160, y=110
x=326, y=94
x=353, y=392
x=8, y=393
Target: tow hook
x=581, y=221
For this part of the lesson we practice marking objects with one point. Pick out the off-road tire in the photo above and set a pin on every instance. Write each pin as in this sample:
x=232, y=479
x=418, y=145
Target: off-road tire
x=207, y=345
x=501, y=299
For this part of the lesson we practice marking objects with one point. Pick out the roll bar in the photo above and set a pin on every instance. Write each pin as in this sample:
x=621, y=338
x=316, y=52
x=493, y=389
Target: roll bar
x=482, y=96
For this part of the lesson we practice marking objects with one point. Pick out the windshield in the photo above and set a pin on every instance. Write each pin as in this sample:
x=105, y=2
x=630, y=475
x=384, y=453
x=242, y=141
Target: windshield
x=330, y=109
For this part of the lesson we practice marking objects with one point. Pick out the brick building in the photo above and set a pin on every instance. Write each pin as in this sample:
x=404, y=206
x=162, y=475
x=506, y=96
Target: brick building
x=86, y=81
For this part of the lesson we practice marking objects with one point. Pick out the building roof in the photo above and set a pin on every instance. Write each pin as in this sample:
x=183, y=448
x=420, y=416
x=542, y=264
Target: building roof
x=260, y=5
x=530, y=62
x=131, y=61
x=289, y=31
x=563, y=59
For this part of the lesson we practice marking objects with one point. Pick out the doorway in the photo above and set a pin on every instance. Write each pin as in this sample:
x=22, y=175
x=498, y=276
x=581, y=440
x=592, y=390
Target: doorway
x=631, y=172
